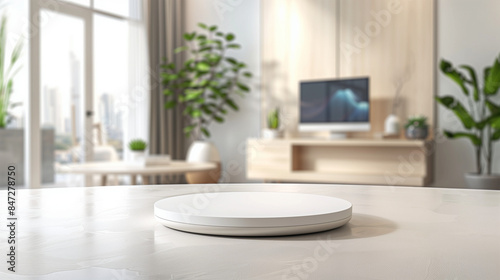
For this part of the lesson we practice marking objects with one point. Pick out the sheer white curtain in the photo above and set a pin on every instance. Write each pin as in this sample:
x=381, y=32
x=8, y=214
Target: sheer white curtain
x=138, y=102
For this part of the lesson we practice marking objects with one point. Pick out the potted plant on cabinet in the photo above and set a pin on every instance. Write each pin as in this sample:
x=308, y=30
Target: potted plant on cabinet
x=416, y=127
x=273, y=125
x=481, y=121
x=205, y=85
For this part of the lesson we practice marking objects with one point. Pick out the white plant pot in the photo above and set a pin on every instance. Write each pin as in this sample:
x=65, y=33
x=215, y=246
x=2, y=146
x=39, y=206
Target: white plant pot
x=203, y=151
x=392, y=125
x=480, y=181
x=271, y=133
x=137, y=156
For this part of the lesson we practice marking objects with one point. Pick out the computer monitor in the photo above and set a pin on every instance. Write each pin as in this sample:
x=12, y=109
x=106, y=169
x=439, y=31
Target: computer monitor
x=337, y=105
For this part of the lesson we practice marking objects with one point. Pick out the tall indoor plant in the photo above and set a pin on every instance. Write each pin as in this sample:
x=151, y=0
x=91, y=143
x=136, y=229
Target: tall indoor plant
x=205, y=86
x=480, y=118
x=8, y=69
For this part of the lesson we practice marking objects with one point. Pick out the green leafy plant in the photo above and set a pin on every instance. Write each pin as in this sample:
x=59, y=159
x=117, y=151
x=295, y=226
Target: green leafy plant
x=206, y=83
x=273, y=119
x=8, y=69
x=416, y=121
x=137, y=145
x=481, y=121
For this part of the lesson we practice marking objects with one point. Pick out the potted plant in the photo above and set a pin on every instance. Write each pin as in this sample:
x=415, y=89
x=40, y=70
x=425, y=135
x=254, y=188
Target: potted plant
x=273, y=125
x=481, y=120
x=205, y=86
x=137, y=148
x=416, y=127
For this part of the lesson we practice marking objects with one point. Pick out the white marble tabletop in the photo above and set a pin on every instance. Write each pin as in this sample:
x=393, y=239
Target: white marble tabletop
x=395, y=233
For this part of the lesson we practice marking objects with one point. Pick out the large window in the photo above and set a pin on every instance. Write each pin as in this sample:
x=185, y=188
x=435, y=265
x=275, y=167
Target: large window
x=92, y=60
x=62, y=67
x=111, y=71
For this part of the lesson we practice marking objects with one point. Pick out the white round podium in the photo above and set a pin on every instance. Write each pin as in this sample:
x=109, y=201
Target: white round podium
x=252, y=213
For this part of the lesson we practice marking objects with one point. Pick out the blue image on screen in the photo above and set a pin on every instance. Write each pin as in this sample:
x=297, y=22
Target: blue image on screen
x=335, y=101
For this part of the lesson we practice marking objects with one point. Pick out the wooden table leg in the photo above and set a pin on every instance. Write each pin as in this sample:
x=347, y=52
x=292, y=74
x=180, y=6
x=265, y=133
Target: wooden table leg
x=145, y=179
x=88, y=180
x=133, y=179
x=104, y=180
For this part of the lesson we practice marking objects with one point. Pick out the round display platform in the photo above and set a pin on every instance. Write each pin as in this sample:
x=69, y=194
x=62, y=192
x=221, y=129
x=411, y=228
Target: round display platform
x=253, y=213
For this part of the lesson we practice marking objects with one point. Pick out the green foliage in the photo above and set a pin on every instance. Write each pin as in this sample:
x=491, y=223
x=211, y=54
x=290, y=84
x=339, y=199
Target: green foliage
x=8, y=69
x=417, y=121
x=492, y=81
x=137, y=145
x=204, y=85
x=459, y=110
x=472, y=137
x=273, y=119
x=452, y=73
x=481, y=119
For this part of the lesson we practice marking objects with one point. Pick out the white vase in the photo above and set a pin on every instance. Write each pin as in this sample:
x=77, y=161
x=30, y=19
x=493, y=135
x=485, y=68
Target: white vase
x=203, y=151
x=271, y=133
x=391, y=125
x=137, y=156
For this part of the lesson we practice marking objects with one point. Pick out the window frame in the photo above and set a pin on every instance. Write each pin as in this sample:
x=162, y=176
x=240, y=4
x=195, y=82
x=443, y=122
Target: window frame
x=32, y=142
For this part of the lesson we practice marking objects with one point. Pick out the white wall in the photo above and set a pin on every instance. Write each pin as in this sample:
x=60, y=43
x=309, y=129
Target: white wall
x=241, y=17
x=467, y=34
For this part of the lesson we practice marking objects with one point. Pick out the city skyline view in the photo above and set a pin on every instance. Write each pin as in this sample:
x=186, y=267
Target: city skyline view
x=62, y=79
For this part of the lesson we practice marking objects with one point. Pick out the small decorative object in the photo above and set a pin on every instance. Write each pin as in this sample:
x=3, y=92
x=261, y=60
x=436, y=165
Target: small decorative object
x=391, y=126
x=417, y=128
x=481, y=119
x=205, y=85
x=137, y=148
x=273, y=124
x=155, y=160
x=9, y=70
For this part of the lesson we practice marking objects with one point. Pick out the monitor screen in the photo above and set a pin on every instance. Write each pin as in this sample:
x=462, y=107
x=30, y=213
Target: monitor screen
x=335, y=101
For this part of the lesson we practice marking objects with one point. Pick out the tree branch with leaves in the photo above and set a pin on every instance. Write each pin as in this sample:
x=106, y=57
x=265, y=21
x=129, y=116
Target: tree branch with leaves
x=207, y=81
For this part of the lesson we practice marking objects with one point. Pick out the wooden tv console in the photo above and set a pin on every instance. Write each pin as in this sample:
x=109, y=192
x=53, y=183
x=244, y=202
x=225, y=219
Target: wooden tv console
x=350, y=161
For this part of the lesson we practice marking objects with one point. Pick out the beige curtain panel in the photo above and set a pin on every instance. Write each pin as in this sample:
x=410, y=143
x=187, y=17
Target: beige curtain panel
x=165, y=29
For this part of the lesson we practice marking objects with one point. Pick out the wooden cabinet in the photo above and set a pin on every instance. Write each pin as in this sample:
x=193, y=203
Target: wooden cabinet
x=350, y=161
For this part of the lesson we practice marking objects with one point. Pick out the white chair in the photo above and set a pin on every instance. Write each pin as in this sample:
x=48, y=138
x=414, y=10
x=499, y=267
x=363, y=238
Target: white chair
x=102, y=151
